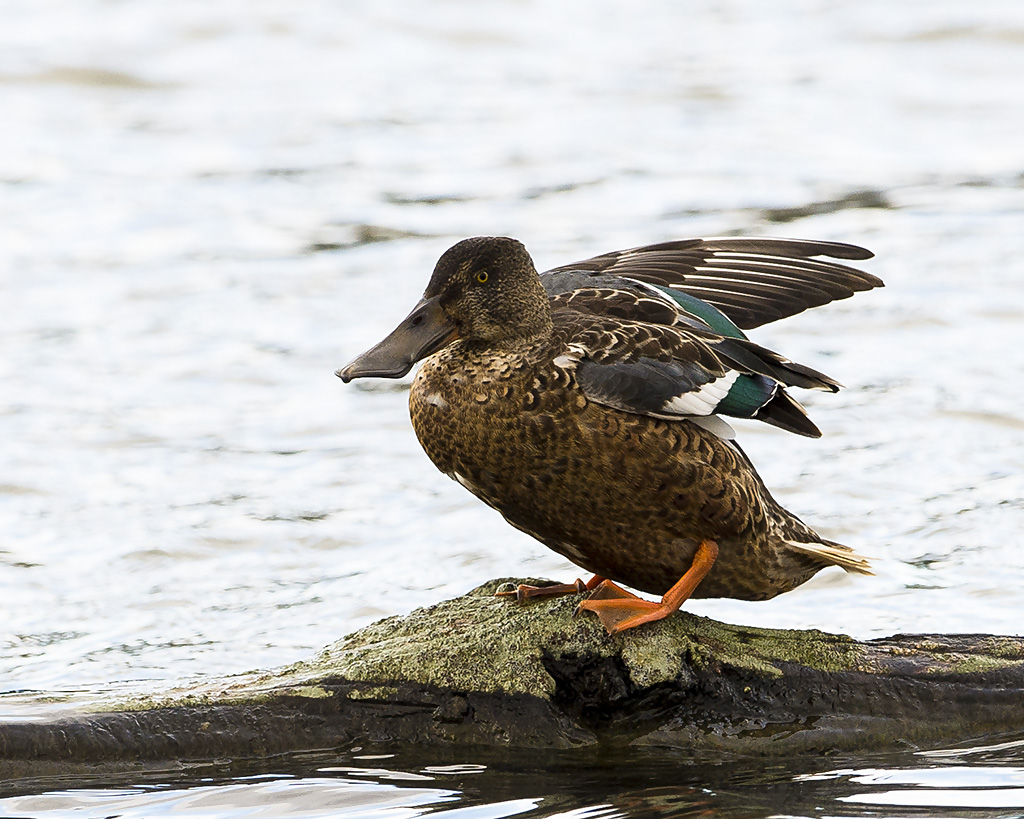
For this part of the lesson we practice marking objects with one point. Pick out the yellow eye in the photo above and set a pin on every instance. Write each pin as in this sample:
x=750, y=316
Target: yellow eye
x=481, y=276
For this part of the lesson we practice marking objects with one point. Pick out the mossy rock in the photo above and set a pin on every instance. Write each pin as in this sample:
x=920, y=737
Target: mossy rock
x=482, y=670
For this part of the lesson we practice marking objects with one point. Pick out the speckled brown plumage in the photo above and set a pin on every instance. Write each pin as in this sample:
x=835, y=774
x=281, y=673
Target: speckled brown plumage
x=624, y=496
x=575, y=409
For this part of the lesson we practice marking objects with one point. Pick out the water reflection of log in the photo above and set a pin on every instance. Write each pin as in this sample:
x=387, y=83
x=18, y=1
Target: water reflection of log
x=480, y=670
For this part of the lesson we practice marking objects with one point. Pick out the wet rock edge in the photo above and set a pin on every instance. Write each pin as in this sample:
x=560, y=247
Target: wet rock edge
x=481, y=671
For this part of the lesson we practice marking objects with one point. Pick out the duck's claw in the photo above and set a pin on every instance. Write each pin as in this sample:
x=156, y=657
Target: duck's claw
x=523, y=592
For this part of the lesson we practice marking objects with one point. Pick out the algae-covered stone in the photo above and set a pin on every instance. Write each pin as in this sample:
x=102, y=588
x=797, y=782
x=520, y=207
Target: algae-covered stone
x=483, y=670
x=485, y=643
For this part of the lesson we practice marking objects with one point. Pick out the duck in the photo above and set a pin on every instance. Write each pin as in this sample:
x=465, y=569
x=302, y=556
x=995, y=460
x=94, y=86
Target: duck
x=587, y=404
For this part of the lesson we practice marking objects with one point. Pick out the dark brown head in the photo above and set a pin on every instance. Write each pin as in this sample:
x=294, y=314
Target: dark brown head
x=484, y=289
x=489, y=289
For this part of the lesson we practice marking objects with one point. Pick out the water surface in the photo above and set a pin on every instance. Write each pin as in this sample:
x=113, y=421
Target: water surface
x=981, y=780
x=207, y=207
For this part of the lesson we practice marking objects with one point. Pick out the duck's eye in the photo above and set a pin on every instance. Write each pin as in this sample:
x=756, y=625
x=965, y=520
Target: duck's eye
x=482, y=276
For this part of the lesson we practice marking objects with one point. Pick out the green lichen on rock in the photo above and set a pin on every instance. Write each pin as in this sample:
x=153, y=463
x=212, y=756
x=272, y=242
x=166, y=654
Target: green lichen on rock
x=944, y=663
x=488, y=644
x=484, y=670
x=474, y=643
x=480, y=642
x=1006, y=648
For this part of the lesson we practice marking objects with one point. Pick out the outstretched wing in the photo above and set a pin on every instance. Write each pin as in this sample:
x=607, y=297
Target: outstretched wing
x=751, y=280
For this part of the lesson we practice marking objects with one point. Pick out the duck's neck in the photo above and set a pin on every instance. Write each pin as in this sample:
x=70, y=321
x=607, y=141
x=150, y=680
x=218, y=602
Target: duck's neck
x=538, y=324
x=520, y=322
x=520, y=343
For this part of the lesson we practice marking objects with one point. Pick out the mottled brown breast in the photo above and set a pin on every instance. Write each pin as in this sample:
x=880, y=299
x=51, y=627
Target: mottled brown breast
x=624, y=496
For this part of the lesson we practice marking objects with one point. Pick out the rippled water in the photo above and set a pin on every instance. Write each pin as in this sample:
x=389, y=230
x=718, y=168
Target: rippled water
x=206, y=207
x=979, y=781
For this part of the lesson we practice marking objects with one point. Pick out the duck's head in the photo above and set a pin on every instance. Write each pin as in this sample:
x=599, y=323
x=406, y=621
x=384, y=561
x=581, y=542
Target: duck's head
x=484, y=289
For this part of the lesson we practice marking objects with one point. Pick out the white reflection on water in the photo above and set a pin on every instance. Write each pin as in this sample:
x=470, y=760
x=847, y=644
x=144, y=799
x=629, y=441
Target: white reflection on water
x=310, y=797
x=941, y=787
x=549, y=785
x=186, y=489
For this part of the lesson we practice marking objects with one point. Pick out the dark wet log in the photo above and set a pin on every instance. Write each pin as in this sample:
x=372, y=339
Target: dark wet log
x=481, y=670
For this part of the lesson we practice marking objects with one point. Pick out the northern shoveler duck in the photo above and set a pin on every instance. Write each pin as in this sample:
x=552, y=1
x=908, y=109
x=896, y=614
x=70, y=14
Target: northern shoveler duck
x=585, y=405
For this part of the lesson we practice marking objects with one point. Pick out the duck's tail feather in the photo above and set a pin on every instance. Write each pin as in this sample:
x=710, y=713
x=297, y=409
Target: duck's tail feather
x=786, y=412
x=834, y=554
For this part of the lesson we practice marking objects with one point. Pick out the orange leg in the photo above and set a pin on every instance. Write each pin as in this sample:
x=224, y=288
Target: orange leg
x=619, y=610
x=523, y=592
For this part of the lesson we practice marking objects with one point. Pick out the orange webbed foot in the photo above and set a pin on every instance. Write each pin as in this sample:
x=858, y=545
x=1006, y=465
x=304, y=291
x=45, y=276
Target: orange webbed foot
x=616, y=608
x=523, y=592
x=619, y=610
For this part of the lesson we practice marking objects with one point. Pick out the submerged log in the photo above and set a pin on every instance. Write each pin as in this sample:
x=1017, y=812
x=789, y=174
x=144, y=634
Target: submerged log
x=483, y=671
